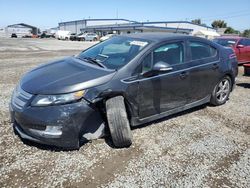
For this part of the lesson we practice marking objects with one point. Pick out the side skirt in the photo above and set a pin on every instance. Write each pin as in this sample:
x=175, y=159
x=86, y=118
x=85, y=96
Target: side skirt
x=137, y=121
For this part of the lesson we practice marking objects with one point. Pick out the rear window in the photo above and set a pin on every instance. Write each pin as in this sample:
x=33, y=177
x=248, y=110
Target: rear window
x=225, y=42
x=200, y=50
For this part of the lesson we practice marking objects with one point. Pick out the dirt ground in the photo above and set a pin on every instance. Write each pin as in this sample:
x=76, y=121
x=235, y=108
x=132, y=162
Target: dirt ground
x=203, y=147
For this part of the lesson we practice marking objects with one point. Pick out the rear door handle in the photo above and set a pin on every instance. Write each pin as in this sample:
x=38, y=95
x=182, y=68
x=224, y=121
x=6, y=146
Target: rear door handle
x=183, y=75
x=215, y=66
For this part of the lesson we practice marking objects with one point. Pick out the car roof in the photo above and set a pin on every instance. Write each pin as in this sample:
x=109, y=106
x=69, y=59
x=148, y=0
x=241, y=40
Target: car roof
x=232, y=37
x=157, y=37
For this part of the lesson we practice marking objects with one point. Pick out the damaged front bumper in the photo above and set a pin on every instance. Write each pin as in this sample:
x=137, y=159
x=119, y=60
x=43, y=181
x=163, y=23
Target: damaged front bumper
x=62, y=126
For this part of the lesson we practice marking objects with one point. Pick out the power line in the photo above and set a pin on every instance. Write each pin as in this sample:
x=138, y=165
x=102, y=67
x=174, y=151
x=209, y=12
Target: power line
x=208, y=18
x=228, y=17
x=235, y=12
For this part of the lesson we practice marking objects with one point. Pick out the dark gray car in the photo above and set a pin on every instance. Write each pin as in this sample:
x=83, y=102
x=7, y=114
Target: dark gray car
x=120, y=83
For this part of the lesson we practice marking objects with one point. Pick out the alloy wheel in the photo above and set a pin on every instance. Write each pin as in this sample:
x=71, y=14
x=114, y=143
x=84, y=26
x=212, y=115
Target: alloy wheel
x=223, y=90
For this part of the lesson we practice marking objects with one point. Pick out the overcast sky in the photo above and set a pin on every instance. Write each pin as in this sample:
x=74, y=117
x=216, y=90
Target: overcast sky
x=47, y=13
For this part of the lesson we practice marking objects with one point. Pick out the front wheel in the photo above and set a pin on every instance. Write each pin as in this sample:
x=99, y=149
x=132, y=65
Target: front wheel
x=221, y=91
x=118, y=122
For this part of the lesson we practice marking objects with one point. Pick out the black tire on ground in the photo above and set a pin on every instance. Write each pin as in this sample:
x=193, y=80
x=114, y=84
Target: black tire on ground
x=118, y=122
x=95, y=39
x=215, y=98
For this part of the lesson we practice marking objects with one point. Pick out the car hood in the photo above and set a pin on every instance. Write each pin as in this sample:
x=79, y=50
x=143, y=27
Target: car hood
x=64, y=76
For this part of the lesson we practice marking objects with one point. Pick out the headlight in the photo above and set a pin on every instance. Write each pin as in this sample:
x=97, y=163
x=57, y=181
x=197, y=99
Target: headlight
x=46, y=100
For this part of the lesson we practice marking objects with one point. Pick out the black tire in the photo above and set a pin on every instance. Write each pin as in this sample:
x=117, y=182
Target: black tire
x=215, y=99
x=118, y=122
x=95, y=39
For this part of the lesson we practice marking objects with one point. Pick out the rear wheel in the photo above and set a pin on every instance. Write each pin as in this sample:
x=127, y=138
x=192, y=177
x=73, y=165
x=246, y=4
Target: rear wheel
x=221, y=91
x=118, y=122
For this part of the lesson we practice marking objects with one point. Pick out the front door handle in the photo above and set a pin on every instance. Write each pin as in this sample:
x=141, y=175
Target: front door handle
x=130, y=79
x=183, y=75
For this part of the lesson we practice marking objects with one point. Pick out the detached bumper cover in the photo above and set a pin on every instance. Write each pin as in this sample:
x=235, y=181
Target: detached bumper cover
x=60, y=126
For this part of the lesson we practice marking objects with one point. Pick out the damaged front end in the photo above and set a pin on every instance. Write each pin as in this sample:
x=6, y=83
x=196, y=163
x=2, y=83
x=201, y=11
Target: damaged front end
x=64, y=125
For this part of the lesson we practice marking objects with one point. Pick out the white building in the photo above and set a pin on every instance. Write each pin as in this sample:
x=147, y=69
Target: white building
x=197, y=30
x=104, y=26
x=76, y=26
x=52, y=30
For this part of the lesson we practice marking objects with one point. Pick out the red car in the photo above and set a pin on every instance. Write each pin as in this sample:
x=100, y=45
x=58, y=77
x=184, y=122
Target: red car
x=240, y=45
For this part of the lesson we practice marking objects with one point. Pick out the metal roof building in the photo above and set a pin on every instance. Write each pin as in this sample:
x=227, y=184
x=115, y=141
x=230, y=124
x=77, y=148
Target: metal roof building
x=21, y=29
x=77, y=25
x=120, y=26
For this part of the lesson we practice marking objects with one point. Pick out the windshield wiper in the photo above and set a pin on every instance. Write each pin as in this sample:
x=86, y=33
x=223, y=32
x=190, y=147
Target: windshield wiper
x=92, y=61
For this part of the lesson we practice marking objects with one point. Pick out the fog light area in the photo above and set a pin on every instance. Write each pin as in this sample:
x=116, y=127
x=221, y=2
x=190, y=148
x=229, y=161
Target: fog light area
x=50, y=131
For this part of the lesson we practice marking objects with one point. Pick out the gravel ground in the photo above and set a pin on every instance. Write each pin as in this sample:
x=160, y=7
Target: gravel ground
x=203, y=147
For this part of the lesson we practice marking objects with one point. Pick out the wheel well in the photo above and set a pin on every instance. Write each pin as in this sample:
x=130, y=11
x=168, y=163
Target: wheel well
x=101, y=105
x=232, y=80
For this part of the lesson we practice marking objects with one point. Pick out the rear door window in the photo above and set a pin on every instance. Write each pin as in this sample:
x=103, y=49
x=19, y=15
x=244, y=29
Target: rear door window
x=200, y=50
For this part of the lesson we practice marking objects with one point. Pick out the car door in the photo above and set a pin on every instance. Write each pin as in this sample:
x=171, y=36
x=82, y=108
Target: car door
x=88, y=37
x=163, y=91
x=91, y=36
x=204, y=69
x=242, y=50
x=247, y=46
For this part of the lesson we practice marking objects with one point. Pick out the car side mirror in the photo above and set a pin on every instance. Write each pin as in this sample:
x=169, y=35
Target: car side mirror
x=159, y=67
x=162, y=67
x=240, y=46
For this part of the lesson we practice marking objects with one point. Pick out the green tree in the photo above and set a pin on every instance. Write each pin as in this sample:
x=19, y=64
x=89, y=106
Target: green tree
x=219, y=24
x=246, y=33
x=231, y=30
x=196, y=21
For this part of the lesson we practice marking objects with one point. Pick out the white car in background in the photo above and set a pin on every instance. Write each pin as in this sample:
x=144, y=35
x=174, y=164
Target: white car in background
x=108, y=36
x=88, y=37
x=62, y=35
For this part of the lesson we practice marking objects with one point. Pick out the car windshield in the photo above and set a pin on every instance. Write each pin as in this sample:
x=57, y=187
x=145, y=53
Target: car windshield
x=226, y=42
x=115, y=52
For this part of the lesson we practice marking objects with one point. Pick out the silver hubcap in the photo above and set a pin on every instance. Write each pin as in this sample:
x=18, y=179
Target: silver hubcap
x=223, y=90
